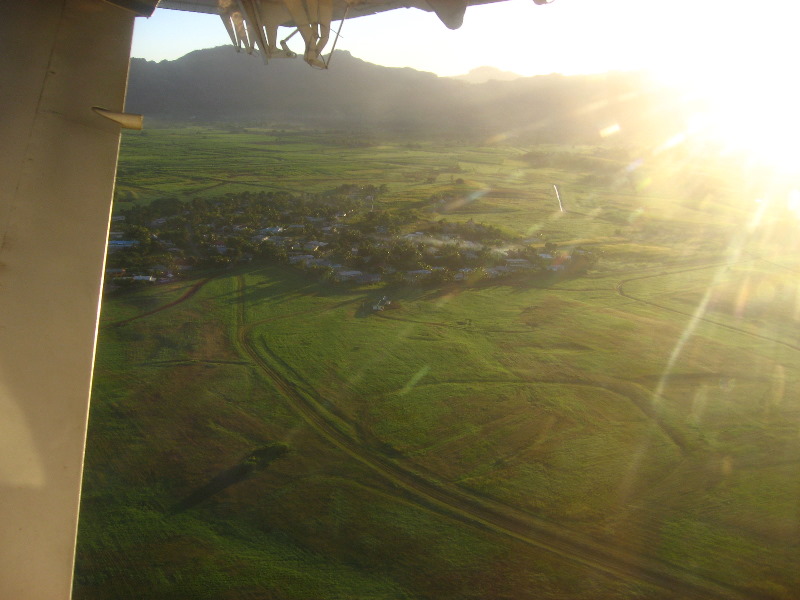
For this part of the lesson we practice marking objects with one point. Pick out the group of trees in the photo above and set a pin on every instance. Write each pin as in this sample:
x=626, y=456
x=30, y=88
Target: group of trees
x=471, y=231
x=170, y=231
x=216, y=232
x=247, y=209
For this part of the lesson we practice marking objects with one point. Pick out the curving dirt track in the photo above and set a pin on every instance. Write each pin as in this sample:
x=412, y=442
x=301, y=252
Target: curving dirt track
x=485, y=513
x=624, y=294
x=188, y=294
x=390, y=317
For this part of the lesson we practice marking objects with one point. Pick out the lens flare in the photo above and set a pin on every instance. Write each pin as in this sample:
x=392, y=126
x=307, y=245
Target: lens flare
x=610, y=130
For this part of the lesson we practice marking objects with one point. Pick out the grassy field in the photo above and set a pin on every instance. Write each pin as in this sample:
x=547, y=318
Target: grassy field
x=631, y=433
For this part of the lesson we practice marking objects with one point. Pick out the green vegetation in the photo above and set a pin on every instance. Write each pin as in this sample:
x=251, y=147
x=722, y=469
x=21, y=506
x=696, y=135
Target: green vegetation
x=630, y=430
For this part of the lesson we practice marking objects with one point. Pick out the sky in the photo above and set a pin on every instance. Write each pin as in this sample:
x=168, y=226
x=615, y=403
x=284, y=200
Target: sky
x=568, y=36
x=738, y=56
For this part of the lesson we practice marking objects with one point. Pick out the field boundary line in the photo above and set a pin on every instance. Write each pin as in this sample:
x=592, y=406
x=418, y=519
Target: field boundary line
x=483, y=512
x=188, y=294
x=624, y=294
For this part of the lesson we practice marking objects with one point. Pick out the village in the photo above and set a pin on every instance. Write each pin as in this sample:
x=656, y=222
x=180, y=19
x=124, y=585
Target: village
x=338, y=237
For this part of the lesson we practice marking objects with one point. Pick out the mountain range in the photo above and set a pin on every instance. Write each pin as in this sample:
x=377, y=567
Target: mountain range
x=219, y=85
x=485, y=74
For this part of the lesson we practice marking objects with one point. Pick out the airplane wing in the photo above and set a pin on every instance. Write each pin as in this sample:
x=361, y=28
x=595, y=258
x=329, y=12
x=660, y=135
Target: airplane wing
x=56, y=180
x=341, y=8
x=253, y=24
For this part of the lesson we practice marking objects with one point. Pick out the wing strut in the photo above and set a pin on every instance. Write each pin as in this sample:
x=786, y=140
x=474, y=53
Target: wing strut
x=336, y=39
x=253, y=24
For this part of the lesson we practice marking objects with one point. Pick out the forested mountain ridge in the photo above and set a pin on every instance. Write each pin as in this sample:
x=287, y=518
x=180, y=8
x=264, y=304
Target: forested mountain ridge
x=220, y=85
x=485, y=74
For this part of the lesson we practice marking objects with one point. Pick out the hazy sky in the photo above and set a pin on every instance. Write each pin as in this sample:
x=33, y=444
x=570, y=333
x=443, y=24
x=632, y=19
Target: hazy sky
x=685, y=37
x=738, y=55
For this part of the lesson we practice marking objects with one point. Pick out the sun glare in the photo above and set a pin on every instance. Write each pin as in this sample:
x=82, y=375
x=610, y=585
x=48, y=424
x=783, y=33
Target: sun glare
x=756, y=115
x=736, y=61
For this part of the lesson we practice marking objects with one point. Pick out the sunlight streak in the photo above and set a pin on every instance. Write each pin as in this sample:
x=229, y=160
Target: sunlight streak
x=675, y=140
x=678, y=349
x=793, y=203
x=415, y=379
x=699, y=403
x=691, y=326
x=610, y=130
x=465, y=200
x=742, y=299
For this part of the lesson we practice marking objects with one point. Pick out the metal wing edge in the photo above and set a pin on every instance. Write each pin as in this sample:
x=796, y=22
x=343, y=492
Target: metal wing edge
x=356, y=9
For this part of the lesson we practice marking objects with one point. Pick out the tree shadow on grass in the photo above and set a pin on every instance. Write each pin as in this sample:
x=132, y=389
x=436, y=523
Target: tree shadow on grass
x=255, y=461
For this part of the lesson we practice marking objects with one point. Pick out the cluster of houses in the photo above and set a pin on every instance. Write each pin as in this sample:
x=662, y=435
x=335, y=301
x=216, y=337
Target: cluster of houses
x=313, y=254
x=341, y=247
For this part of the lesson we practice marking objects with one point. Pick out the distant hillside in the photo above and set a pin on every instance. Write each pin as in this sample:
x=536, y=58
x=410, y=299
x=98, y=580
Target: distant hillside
x=484, y=74
x=221, y=85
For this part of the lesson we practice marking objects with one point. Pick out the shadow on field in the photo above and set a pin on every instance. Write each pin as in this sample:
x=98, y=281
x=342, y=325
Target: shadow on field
x=255, y=461
x=279, y=290
x=364, y=310
x=537, y=281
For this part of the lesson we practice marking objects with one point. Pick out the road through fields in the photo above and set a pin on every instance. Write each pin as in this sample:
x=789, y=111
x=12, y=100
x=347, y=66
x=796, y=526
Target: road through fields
x=456, y=503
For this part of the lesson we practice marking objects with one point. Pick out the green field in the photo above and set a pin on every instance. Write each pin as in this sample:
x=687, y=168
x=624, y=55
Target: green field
x=629, y=433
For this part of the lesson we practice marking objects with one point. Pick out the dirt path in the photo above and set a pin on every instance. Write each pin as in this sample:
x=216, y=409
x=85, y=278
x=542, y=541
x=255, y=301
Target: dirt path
x=485, y=513
x=188, y=294
x=629, y=390
x=624, y=294
x=390, y=317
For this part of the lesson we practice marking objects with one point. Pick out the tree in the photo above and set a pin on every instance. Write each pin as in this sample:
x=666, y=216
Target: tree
x=441, y=276
x=272, y=252
x=140, y=234
x=451, y=256
x=167, y=207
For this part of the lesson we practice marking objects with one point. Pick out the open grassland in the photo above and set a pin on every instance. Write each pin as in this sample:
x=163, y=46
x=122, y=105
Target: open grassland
x=181, y=404
x=200, y=162
x=629, y=433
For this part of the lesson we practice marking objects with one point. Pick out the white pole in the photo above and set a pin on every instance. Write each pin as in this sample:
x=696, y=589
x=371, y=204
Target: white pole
x=558, y=196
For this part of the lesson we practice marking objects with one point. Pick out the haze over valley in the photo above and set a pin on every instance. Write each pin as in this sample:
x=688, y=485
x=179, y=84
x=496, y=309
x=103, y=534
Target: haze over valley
x=219, y=85
x=374, y=333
